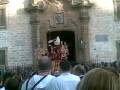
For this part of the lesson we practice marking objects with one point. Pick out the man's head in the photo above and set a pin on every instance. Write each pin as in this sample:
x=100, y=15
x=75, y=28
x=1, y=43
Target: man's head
x=65, y=65
x=44, y=63
x=79, y=70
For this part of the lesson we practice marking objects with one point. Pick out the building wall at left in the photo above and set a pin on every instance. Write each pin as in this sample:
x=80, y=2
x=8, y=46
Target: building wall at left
x=16, y=37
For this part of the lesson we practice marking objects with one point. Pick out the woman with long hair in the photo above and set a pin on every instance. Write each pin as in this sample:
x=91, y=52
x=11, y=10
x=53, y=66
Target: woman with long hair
x=100, y=79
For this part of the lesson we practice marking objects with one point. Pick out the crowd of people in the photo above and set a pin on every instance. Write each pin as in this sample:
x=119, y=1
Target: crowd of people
x=79, y=77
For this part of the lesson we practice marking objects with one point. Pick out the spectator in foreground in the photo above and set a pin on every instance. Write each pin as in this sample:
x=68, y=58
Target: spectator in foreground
x=79, y=70
x=100, y=79
x=43, y=80
x=69, y=80
x=6, y=76
x=1, y=84
x=11, y=84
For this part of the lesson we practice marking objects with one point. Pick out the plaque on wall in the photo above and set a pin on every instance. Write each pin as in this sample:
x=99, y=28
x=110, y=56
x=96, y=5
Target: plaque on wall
x=101, y=38
x=59, y=18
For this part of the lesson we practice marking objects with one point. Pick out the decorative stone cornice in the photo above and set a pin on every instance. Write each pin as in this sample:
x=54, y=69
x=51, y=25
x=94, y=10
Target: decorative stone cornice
x=89, y=5
x=40, y=5
x=81, y=3
x=84, y=11
x=2, y=2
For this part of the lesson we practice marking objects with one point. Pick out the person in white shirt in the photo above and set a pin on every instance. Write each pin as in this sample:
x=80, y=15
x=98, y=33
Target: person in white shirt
x=43, y=80
x=70, y=80
x=3, y=88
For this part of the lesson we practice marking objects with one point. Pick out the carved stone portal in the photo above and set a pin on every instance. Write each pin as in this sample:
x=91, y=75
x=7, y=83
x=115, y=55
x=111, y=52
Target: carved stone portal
x=75, y=20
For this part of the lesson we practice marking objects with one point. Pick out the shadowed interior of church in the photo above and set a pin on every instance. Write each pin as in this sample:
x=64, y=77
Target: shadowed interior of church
x=69, y=38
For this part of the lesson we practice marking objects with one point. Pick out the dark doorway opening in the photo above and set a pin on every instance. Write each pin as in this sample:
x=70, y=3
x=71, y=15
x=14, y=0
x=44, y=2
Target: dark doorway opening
x=69, y=38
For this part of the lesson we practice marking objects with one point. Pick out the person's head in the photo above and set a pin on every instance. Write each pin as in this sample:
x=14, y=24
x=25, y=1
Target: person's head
x=65, y=65
x=44, y=63
x=0, y=79
x=7, y=75
x=100, y=79
x=78, y=70
x=12, y=84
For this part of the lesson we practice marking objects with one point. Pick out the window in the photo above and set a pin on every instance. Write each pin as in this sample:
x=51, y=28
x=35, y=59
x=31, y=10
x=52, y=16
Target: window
x=2, y=18
x=3, y=13
x=116, y=9
x=2, y=57
x=118, y=49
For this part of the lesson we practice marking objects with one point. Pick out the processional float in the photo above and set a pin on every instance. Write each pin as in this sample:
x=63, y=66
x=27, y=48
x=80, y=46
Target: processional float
x=57, y=51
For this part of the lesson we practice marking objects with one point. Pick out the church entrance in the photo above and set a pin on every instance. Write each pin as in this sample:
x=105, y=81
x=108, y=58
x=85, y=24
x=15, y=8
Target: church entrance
x=69, y=38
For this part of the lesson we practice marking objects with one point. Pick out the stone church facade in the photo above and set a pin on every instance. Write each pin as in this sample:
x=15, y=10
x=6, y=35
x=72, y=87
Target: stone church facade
x=15, y=34
x=90, y=27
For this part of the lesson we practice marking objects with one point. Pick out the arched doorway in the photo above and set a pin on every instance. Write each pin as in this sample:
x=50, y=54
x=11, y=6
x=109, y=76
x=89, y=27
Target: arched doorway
x=69, y=38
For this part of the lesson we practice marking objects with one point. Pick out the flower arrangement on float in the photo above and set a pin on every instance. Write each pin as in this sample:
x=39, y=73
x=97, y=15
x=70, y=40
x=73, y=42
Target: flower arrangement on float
x=39, y=52
x=58, y=51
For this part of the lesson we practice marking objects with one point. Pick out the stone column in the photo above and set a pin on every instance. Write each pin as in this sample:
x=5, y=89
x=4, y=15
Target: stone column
x=84, y=28
x=35, y=27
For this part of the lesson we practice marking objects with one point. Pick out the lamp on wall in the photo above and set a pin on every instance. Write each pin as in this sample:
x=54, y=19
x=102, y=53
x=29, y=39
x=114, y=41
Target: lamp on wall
x=82, y=43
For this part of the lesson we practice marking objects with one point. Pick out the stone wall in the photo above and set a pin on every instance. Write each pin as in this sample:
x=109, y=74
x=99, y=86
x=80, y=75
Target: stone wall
x=17, y=36
x=3, y=39
x=102, y=23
